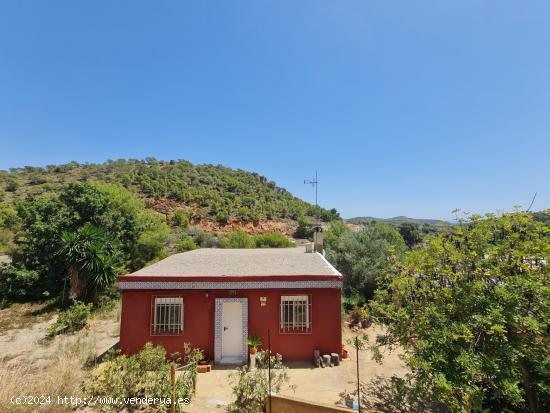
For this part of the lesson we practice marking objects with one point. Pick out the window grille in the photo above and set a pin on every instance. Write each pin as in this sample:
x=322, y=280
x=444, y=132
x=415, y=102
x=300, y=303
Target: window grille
x=167, y=316
x=295, y=314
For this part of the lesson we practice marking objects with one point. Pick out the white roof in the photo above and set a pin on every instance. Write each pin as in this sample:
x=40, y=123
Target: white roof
x=241, y=262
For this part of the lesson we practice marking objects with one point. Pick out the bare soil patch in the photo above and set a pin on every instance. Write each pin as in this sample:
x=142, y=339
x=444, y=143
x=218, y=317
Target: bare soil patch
x=324, y=385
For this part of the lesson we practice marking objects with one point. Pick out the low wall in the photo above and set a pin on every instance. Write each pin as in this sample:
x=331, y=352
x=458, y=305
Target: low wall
x=285, y=404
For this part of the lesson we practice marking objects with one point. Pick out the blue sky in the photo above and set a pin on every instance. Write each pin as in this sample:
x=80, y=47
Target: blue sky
x=405, y=107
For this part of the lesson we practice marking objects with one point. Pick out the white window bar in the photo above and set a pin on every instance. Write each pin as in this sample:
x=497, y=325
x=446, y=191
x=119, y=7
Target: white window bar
x=167, y=315
x=295, y=314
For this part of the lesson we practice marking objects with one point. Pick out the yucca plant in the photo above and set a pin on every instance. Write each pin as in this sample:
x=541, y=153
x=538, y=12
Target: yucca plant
x=253, y=343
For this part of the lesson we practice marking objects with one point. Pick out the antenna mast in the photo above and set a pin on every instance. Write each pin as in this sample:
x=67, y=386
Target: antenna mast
x=314, y=182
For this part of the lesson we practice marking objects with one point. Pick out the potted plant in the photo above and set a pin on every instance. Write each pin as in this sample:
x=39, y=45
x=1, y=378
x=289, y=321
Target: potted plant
x=253, y=343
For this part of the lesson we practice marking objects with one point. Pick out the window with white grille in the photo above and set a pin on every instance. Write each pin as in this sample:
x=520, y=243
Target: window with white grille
x=167, y=316
x=295, y=314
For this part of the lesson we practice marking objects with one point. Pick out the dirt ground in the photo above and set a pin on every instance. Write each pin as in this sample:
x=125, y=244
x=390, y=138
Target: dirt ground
x=22, y=343
x=325, y=385
x=22, y=340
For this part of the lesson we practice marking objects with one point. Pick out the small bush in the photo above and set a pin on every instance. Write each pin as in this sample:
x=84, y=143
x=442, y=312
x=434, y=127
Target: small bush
x=71, y=320
x=237, y=239
x=17, y=283
x=185, y=243
x=200, y=237
x=180, y=219
x=251, y=387
x=272, y=240
x=145, y=374
x=222, y=217
x=304, y=229
x=12, y=186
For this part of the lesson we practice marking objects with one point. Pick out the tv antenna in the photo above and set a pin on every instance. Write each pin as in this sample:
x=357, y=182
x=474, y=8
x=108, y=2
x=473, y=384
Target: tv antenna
x=315, y=183
x=532, y=202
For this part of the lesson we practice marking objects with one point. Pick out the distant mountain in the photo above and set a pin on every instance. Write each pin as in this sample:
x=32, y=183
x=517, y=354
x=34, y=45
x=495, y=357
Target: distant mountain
x=398, y=220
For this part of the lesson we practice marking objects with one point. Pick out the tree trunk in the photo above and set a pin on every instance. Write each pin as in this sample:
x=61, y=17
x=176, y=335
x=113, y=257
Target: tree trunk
x=75, y=287
x=529, y=387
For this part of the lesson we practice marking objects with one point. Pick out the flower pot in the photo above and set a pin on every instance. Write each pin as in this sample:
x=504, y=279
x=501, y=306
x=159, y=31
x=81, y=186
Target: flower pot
x=252, y=365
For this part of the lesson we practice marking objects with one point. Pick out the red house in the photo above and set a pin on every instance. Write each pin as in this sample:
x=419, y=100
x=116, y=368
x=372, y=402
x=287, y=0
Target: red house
x=215, y=299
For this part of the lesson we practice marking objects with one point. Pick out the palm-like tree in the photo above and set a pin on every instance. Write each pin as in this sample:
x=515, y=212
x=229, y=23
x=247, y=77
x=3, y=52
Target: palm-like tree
x=93, y=261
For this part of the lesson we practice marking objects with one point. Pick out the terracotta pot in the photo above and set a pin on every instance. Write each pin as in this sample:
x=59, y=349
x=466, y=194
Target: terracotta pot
x=344, y=353
x=252, y=350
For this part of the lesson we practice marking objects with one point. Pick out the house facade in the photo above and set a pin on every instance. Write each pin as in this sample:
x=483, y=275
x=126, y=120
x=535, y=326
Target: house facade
x=215, y=299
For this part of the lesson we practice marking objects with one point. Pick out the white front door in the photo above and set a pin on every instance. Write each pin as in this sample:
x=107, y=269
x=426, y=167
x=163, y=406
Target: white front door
x=232, y=332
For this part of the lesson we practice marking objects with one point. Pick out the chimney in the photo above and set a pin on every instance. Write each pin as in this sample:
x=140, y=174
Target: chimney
x=318, y=239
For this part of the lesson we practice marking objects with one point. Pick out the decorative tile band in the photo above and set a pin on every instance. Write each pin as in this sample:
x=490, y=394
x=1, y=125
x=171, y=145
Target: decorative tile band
x=218, y=327
x=225, y=285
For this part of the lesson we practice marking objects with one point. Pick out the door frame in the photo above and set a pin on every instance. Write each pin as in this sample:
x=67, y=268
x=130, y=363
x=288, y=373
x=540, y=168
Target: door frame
x=218, y=327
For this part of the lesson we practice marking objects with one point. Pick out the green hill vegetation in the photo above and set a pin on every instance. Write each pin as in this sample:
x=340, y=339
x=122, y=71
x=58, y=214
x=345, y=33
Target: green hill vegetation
x=70, y=230
x=208, y=191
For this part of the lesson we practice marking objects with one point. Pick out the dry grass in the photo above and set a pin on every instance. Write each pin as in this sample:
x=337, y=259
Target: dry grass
x=61, y=378
x=26, y=314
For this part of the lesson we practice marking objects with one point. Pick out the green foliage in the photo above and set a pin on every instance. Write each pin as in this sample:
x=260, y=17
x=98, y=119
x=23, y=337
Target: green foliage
x=362, y=256
x=151, y=245
x=203, y=239
x=250, y=387
x=254, y=342
x=91, y=255
x=71, y=320
x=240, y=239
x=272, y=240
x=144, y=374
x=180, y=219
x=471, y=311
x=16, y=283
x=11, y=185
x=329, y=215
x=8, y=217
x=218, y=192
x=140, y=234
x=336, y=230
x=237, y=239
x=410, y=233
x=304, y=229
x=8, y=225
x=185, y=243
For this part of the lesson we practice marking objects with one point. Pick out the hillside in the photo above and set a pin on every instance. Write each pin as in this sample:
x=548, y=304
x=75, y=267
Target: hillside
x=211, y=193
x=397, y=220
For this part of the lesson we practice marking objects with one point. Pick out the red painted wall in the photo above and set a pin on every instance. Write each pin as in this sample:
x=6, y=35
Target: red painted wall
x=326, y=334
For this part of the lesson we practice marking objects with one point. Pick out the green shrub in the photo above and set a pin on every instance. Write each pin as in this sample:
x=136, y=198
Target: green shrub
x=222, y=217
x=237, y=239
x=12, y=186
x=200, y=237
x=250, y=387
x=72, y=319
x=180, y=219
x=16, y=283
x=272, y=240
x=304, y=229
x=185, y=243
x=145, y=374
